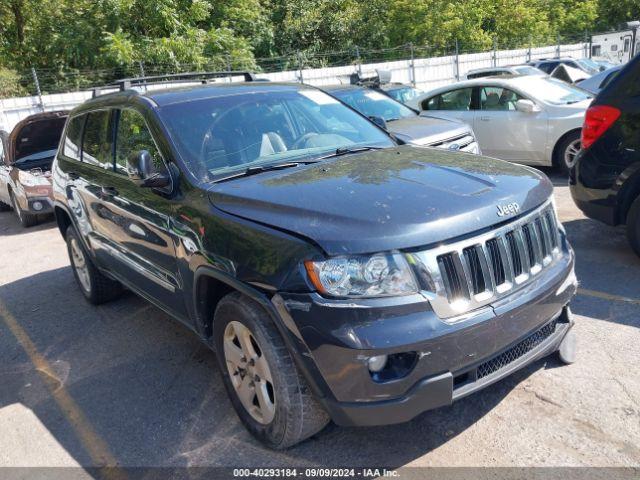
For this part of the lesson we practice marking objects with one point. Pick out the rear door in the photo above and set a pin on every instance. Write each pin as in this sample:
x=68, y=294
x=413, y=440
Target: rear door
x=504, y=132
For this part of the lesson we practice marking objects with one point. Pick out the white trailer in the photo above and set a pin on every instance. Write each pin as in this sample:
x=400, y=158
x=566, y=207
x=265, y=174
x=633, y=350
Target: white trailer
x=619, y=46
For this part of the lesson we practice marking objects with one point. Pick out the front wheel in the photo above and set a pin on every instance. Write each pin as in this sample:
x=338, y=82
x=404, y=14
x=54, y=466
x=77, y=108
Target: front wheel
x=26, y=219
x=567, y=152
x=266, y=390
x=95, y=286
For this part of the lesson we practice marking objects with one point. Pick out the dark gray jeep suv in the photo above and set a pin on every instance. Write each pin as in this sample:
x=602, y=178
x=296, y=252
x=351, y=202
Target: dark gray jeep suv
x=337, y=274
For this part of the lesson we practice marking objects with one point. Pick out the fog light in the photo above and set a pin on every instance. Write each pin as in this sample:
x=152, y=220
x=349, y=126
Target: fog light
x=37, y=206
x=377, y=363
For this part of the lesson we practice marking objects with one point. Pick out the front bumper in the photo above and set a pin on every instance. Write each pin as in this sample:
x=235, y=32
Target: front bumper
x=454, y=360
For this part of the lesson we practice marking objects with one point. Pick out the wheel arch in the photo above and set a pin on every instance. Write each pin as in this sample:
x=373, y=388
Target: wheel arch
x=556, y=146
x=627, y=194
x=63, y=219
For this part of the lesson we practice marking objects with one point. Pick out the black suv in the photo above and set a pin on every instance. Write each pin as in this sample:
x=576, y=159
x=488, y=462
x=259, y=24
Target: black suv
x=337, y=274
x=605, y=182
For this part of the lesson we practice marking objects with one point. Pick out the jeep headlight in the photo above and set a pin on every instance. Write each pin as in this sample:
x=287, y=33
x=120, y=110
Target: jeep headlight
x=362, y=276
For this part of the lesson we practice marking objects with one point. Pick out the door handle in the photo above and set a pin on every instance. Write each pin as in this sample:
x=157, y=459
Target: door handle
x=109, y=191
x=485, y=119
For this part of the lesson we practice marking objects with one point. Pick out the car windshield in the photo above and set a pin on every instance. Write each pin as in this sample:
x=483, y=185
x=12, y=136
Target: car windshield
x=374, y=104
x=589, y=65
x=557, y=92
x=404, y=94
x=222, y=135
x=527, y=70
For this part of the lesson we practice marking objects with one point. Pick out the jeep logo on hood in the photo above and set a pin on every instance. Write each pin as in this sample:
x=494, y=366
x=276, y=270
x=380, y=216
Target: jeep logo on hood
x=508, y=209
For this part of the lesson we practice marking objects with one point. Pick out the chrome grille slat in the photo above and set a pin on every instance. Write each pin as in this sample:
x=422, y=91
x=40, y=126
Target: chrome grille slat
x=474, y=272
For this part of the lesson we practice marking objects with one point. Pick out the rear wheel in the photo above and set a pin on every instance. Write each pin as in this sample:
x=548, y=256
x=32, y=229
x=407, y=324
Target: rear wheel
x=567, y=152
x=266, y=390
x=95, y=286
x=633, y=226
x=26, y=219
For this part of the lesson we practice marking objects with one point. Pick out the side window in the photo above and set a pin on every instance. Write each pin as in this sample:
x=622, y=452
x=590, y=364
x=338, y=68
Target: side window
x=459, y=100
x=132, y=137
x=73, y=138
x=498, y=98
x=97, y=140
x=596, y=50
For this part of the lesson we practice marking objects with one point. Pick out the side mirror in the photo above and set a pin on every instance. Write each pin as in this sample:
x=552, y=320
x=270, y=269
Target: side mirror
x=526, y=106
x=379, y=121
x=140, y=168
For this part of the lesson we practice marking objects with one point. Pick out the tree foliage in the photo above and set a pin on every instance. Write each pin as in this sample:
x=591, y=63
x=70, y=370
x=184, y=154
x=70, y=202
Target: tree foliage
x=75, y=40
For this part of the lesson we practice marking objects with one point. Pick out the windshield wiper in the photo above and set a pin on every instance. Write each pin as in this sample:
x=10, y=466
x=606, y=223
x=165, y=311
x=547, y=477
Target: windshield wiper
x=346, y=151
x=247, y=172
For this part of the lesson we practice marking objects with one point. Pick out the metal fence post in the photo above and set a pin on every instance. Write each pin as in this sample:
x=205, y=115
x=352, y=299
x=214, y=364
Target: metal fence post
x=494, y=57
x=587, y=47
x=300, y=78
x=558, y=47
x=358, y=62
x=412, y=66
x=529, y=51
x=457, y=62
x=37, y=84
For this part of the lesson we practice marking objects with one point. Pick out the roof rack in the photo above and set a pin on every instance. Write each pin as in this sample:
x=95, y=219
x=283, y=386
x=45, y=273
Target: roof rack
x=169, y=78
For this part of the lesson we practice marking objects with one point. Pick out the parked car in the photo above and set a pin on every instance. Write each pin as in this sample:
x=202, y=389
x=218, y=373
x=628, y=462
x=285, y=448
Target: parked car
x=404, y=122
x=25, y=166
x=523, y=119
x=548, y=65
x=381, y=81
x=600, y=80
x=605, y=183
x=336, y=274
x=506, y=70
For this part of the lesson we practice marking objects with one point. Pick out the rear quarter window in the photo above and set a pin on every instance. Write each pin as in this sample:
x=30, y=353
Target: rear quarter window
x=73, y=138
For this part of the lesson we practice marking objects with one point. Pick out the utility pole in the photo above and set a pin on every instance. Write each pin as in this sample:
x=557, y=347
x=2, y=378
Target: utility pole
x=36, y=82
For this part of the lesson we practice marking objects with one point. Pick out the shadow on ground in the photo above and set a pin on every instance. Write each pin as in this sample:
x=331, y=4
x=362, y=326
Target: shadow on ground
x=153, y=392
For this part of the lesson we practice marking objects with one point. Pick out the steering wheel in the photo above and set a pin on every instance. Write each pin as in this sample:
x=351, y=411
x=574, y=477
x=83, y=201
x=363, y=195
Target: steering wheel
x=300, y=141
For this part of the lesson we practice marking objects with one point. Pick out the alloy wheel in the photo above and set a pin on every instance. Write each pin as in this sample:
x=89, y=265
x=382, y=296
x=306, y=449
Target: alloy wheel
x=571, y=152
x=249, y=372
x=80, y=265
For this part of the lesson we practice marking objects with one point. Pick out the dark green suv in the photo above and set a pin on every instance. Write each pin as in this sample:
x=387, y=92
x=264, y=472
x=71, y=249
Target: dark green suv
x=337, y=274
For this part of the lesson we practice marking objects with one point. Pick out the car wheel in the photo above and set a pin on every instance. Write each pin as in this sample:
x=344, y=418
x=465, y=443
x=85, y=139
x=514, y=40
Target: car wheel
x=266, y=390
x=4, y=207
x=567, y=152
x=26, y=219
x=95, y=286
x=633, y=226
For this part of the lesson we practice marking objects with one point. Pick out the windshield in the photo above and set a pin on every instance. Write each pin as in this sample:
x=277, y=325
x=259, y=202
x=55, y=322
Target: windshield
x=404, y=94
x=557, y=92
x=374, y=104
x=589, y=65
x=221, y=135
x=526, y=70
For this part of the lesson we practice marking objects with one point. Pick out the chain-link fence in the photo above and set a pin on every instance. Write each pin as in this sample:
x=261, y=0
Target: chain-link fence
x=420, y=65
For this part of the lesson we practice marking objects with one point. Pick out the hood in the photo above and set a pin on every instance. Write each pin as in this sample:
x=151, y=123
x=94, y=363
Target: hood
x=423, y=130
x=35, y=134
x=384, y=200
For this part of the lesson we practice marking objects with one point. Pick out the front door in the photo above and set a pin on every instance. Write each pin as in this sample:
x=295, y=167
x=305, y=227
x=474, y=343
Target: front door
x=505, y=133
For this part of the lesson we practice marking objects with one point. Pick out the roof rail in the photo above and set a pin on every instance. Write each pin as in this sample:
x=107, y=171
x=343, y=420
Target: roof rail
x=201, y=77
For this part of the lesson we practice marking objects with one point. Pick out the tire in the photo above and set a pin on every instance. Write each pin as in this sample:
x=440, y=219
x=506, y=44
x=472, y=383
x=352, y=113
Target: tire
x=633, y=226
x=289, y=412
x=26, y=219
x=566, y=152
x=4, y=207
x=96, y=287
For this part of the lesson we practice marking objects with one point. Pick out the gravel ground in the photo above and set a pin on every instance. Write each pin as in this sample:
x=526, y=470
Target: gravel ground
x=124, y=384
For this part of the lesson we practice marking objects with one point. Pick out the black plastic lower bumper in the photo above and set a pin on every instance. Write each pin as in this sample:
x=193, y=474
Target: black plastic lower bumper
x=443, y=389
